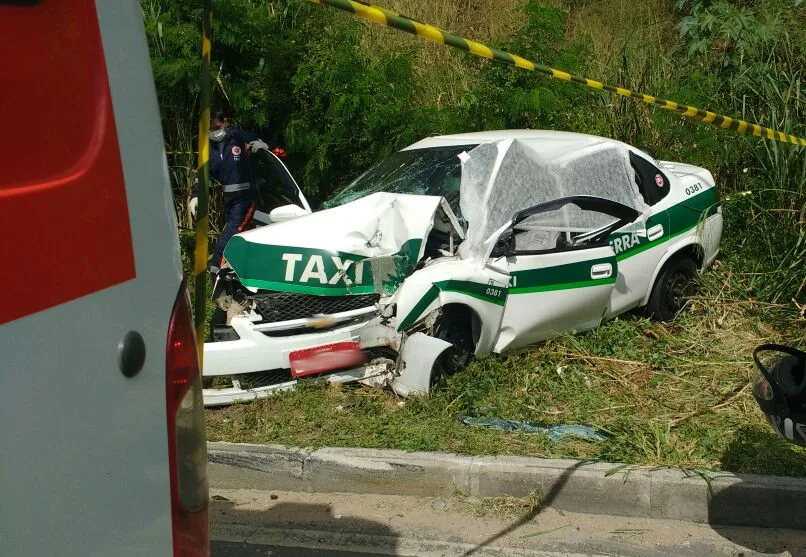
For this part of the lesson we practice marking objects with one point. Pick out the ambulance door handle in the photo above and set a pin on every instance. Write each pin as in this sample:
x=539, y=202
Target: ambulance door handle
x=655, y=232
x=131, y=354
x=602, y=270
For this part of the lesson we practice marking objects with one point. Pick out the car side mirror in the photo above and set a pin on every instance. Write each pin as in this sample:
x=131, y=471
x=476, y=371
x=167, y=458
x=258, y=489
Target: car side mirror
x=286, y=212
x=505, y=245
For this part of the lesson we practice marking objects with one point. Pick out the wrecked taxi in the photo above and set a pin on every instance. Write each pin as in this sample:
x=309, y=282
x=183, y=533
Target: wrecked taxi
x=455, y=247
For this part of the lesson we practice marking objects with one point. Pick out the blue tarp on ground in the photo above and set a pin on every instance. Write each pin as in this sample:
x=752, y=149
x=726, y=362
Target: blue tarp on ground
x=558, y=432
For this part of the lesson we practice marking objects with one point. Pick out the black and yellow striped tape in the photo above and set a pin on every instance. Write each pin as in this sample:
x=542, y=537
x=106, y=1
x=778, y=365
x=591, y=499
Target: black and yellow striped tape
x=391, y=19
x=203, y=173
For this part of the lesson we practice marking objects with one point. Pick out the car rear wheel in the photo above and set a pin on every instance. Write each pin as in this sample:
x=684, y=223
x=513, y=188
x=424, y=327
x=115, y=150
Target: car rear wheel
x=674, y=286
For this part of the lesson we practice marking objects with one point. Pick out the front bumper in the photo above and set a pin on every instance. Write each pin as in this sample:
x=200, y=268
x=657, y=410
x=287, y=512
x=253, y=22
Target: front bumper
x=266, y=347
x=225, y=397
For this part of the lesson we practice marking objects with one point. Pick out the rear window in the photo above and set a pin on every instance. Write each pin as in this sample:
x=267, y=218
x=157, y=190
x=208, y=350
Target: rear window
x=652, y=182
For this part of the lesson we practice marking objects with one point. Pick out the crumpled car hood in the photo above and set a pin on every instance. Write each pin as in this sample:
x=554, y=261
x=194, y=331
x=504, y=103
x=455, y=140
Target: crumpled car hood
x=365, y=246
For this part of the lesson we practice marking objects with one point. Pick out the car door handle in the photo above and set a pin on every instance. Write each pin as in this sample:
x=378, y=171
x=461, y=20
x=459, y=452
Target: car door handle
x=655, y=232
x=602, y=270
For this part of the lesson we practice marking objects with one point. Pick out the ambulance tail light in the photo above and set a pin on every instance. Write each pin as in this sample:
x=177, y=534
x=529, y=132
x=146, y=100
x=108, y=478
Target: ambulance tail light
x=187, y=448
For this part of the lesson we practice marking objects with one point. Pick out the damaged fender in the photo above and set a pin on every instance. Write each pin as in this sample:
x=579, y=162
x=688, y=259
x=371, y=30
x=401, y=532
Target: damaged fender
x=482, y=289
x=419, y=354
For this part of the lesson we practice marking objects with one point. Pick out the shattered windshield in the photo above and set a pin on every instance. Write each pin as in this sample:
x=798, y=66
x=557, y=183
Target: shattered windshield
x=432, y=171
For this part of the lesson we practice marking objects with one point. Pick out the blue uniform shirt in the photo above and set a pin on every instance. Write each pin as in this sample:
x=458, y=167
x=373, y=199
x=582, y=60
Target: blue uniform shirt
x=230, y=161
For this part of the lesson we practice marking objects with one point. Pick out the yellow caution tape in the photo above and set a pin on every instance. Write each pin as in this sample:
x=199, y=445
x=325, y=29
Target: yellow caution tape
x=391, y=19
x=203, y=174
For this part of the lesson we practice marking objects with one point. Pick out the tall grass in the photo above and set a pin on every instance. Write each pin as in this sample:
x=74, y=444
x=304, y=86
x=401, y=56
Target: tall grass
x=773, y=236
x=444, y=77
x=632, y=46
x=776, y=268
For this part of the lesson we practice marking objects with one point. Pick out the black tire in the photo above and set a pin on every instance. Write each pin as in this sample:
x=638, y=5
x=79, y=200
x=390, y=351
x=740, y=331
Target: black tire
x=672, y=288
x=456, y=328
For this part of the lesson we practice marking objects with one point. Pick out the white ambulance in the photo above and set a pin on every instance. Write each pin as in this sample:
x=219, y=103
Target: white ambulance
x=103, y=450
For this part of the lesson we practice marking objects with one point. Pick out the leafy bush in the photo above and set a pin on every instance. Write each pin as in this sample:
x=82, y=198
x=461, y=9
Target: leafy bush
x=512, y=98
x=342, y=94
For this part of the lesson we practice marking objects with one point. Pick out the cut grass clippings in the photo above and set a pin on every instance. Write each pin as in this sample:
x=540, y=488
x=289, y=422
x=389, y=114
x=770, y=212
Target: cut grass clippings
x=671, y=394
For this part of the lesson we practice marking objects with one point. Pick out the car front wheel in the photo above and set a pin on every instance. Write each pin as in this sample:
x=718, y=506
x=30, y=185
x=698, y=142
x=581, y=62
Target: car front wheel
x=674, y=286
x=456, y=328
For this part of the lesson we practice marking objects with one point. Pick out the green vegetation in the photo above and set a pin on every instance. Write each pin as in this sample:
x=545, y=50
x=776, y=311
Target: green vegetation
x=671, y=394
x=341, y=94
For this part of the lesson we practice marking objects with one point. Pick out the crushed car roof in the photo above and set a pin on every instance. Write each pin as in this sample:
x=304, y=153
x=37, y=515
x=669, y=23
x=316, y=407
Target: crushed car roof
x=503, y=176
x=550, y=144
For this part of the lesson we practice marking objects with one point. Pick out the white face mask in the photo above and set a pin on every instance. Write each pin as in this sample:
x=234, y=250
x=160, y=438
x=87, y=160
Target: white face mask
x=218, y=135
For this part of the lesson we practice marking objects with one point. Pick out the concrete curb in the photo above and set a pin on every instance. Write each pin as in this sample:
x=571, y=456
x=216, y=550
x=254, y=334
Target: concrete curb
x=597, y=488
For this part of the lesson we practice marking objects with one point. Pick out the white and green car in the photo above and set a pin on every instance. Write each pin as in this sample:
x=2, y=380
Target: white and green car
x=458, y=246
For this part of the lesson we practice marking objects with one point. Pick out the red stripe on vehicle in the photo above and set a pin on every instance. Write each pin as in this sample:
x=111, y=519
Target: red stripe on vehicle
x=247, y=220
x=62, y=192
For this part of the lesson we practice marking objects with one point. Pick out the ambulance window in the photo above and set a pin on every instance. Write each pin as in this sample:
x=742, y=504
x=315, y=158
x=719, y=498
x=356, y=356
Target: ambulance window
x=652, y=182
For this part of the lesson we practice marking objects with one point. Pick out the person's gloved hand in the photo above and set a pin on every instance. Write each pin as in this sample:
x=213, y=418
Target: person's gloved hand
x=257, y=145
x=193, y=205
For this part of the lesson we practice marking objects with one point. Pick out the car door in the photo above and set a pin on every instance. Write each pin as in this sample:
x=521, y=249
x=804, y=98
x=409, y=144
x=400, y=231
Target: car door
x=640, y=245
x=562, y=268
x=276, y=187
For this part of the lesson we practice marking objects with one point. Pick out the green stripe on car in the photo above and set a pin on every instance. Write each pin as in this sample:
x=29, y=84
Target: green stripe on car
x=318, y=271
x=490, y=293
x=676, y=220
x=559, y=277
x=415, y=313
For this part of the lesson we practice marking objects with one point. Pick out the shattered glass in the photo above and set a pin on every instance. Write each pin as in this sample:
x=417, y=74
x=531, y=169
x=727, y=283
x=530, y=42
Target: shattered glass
x=389, y=272
x=499, y=179
x=432, y=171
x=568, y=218
x=558, y=227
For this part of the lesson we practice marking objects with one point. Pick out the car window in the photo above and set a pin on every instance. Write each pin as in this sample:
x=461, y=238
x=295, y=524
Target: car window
x=275, y=185
x=652, y=182
x=431, y=171
x=559, y=228
x=568, y=223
